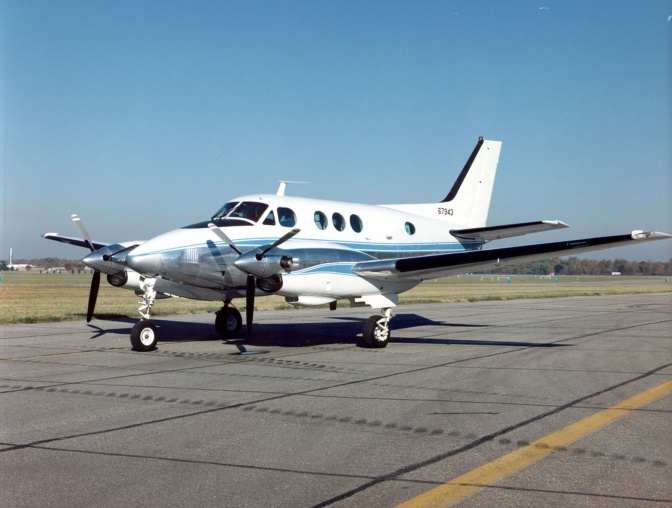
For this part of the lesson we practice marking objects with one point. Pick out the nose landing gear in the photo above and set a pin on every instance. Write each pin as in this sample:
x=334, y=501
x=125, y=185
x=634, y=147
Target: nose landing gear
x=143, y=334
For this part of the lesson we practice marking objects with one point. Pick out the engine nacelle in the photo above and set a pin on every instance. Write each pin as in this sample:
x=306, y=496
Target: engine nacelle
x=265, y=266
x=127, y=279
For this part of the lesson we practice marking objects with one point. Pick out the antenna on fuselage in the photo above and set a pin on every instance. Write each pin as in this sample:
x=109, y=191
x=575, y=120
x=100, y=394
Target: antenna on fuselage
x=283, y=186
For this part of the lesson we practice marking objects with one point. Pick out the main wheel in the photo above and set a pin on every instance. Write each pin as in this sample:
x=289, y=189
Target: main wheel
x=228, y=322
x=376, y=332
x=143, y=335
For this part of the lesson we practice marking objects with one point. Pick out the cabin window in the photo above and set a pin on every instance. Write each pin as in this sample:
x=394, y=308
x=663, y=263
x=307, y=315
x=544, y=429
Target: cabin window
x=287, y=217
x=270, y=219
x=356, y=223
x=338, y=221
x=321, y=220
x=410, y=228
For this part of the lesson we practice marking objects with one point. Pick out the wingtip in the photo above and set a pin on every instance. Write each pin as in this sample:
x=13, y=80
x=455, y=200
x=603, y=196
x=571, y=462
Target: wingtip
x=639, y=234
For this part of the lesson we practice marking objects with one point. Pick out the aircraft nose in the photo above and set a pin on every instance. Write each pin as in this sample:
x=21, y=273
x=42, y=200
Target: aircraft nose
x=145, y=264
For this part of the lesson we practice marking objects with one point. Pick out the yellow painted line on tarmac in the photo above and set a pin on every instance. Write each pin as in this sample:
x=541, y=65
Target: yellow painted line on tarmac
x=493, y=472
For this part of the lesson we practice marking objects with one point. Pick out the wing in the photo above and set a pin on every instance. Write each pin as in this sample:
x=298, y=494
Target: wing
x=485, y=234
x=441, y=265
x=79, y=242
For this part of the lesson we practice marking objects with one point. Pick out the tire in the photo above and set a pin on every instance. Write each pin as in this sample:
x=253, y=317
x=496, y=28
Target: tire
x=376, y=332
x=144, y=336
x=228, y=322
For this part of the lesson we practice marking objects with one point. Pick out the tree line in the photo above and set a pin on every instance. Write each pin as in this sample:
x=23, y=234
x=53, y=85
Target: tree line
x=576, y=266
x=557, y=266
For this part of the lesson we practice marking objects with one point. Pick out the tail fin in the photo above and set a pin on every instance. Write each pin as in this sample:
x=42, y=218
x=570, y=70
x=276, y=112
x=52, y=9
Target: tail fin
x=468, y=201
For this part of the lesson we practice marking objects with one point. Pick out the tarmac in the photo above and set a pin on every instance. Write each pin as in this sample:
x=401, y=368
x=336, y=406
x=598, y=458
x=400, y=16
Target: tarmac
x=556, y=402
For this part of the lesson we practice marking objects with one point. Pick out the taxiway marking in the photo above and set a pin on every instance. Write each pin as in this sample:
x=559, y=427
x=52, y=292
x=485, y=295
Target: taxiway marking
x=493, y=472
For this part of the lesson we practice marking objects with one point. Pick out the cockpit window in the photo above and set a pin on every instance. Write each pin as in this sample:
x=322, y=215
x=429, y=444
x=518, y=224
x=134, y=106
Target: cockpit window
x=249, y=210
x=287, y=217
x=221, y=213
x=270, y=219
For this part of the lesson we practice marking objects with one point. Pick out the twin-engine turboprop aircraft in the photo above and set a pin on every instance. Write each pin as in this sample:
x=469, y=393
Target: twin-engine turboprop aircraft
x=316, y=252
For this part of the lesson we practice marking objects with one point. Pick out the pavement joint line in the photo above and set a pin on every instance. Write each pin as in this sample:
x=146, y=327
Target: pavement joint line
x=394, y=475
x=478, y=479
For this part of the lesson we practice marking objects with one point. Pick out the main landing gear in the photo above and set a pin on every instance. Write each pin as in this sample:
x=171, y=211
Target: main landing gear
x=143, y=334
x=228, y=321
x=377, y=330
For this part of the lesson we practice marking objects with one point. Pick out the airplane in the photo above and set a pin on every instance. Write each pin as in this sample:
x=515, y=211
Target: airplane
x=315, y=252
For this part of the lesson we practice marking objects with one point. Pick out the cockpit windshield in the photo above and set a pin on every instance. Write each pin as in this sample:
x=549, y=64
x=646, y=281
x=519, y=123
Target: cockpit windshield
x=249, y=210
x=221, y=213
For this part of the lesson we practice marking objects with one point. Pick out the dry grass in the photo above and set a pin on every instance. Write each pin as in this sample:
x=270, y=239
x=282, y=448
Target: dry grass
x=33, y=297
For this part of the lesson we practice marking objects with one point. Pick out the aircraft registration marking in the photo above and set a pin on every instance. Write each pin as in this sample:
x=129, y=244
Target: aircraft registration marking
x=462, y=487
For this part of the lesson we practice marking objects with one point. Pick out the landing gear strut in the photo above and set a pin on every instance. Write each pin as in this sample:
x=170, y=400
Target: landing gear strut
x=228, y=321
x=377, y=330
x=143, y=335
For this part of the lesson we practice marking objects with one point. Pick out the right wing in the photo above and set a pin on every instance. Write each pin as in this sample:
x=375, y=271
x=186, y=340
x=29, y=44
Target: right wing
x=454, y=263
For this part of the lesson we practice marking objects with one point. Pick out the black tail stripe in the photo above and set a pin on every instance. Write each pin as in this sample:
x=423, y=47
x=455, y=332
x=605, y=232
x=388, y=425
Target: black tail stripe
x=458, y=183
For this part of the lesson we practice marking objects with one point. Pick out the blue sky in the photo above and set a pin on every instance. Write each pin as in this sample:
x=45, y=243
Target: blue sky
x=146, y=116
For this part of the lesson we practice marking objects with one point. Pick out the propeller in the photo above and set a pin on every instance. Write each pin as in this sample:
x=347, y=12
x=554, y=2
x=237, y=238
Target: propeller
x=95, y=281
x=250, y=291
x=249, y=262
x=223, y=237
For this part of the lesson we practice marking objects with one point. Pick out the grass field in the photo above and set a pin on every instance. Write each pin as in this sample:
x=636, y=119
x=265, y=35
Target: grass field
x=27, y=297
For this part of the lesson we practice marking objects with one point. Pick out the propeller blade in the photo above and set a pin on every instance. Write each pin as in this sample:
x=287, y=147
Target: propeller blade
x=223, y=237
x=279, y=241
x=249, y=303
x=82, y=231
x=93, y=295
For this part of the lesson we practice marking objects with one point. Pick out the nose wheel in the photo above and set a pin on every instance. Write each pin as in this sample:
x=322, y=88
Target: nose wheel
x=143, y=335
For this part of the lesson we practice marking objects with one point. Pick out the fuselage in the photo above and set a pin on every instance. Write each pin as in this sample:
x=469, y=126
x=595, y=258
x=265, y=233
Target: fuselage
x=333, y=237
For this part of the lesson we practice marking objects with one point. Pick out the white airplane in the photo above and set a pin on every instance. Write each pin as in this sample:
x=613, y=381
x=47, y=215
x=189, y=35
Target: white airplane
x=315, y=252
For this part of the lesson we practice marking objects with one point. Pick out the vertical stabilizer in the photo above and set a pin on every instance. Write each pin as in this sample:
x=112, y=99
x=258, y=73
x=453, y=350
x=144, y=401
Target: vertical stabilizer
x=469, y=198
x=468, y=201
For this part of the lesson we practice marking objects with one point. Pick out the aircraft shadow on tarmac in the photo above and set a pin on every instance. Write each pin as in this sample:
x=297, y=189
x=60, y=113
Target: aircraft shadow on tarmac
x=347, y=330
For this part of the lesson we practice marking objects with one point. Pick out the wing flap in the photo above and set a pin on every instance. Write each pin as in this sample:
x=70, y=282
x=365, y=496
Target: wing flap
x=442, y=265
x=486, y=234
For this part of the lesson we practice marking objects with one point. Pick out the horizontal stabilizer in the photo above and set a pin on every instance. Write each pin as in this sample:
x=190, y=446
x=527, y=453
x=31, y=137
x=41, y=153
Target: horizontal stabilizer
x=443, y=265
x=486, y=234
x=79, y=242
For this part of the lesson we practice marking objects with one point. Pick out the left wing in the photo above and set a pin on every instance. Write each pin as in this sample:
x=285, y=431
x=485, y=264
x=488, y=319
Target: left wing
x=442, y=265
x=79, y=242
